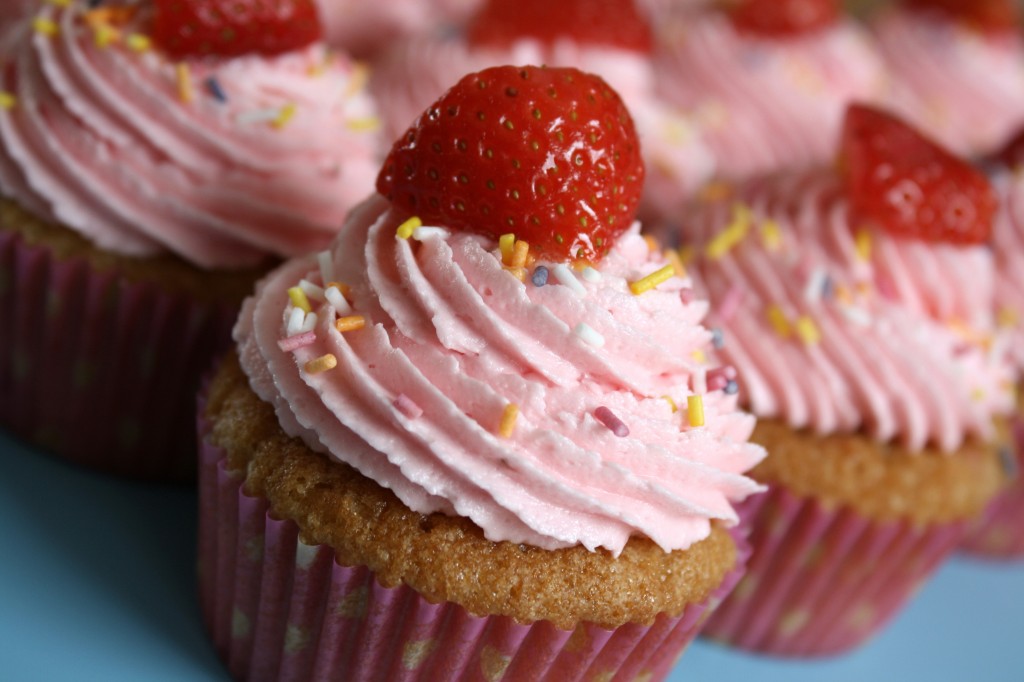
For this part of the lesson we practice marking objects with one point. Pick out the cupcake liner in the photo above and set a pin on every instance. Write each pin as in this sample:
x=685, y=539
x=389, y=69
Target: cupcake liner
x=821, y=581
x=999, y=534
x=98, y=369
x=278, y=609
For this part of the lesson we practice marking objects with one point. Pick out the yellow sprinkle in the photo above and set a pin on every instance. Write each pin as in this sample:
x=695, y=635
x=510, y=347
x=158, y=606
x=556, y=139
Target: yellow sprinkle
x=671, y=403
x=406, y=229
x=185, y=91
x=508, y=420
x=286, y=114
x=732, y=235
x=519, y=253
x=367, y=124
x=808, y=331
x=350, y=323
x=716, y=190
x=105, y=34
x=676, y=262
x=771, y=235
x=7, y=100
x=299, y=299
x=686, y=254
x=978, y=395
x=321, y=68
x=652, y=280
x=321, y=364
x=45, y=26
x=779, y=321
x=695, y=410
x=1006, y=317
x=60, y=3
x=506, y=243
x=138, y=42
x=652, y=243
x=863, y=243
x=360, y=76
x=699, y=356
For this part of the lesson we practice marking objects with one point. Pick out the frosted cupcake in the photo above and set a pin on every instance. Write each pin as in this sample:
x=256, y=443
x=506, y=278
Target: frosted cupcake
x=611, y=38
x=454, y=455
x=957, y=69
x=143, y=191
x=857, y=309
x=768, y=81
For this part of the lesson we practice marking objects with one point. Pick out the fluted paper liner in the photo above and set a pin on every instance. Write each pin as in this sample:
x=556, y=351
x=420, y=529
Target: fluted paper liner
x=98, y=369
x=999, y=534
x=822, y=581
x=278, y=609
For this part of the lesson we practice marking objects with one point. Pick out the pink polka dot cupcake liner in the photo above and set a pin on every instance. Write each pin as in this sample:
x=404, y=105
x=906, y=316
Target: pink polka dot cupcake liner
x=822, y=581
x=1000, y=532
x=278, y=609
x=100, y=370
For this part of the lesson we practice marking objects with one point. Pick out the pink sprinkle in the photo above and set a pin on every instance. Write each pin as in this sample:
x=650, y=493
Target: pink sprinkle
x=730, y=303
x=296, y=342
x=719, y=377
x=406, y=406
x=686, y=296
x=614, y=424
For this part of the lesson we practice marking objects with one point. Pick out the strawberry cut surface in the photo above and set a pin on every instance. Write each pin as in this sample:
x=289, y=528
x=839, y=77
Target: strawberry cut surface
x=548, y=154
x=902, y=182
x=230, y=28
x=995, y=16
x=780, y=18
x=613, y=23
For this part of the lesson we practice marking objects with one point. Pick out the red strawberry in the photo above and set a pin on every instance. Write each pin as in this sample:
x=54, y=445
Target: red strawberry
x=228, y=28
x=616, y=23
x=902, y=182
x=987, y=15
x=777, y=18
x=549, y=154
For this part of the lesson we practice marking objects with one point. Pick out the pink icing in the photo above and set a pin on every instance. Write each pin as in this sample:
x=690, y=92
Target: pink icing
x=765, y=103
x=963, y=88
x=101, y=141
x=1008, y=250
x=908, y=347
x=452, y=333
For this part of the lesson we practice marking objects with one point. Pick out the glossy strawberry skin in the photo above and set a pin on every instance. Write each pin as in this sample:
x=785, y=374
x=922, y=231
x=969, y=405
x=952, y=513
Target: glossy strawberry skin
x=901, y=182
x=613, y=23
x=781, y=18
x=230, y=28
x=994, y=16
x=548, y=154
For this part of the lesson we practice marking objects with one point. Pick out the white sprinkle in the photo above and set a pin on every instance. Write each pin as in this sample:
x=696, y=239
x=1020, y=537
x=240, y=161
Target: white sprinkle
x=589, y=335
x=337, y=300
x=326, y=266
x=309, y=324
x=423, y=233
x=815, y=287
x=566, y=277
x=700, y=381
x=311, y=290
x=591, y=275
x=295, y=320
x=257, y=116
x=305, y=554
x=858, y=316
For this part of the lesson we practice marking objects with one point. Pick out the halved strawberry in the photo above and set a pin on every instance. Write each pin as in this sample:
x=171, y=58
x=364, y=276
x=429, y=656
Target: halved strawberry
x=616, y=23
x=549, y=154
x=777, y=18
x=229, y=28
x=902, y=182
x=987, y=15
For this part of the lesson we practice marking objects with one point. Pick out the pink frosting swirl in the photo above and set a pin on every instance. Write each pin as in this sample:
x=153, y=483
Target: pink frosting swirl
x=836, y=330
x=1008, y=249
x=452, y=338
x=963, y=88
x=765, y=103
x=101, y=141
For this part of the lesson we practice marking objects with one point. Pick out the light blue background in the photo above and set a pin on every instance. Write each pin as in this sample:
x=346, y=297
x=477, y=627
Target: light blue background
x=97, y=583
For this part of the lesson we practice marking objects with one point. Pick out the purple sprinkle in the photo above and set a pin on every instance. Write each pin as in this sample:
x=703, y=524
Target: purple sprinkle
x=614, y=424
x=540, y=276
x=717, y=337
x=213, y=85
x=732, y=387
x=406, y=406
x=828, y=288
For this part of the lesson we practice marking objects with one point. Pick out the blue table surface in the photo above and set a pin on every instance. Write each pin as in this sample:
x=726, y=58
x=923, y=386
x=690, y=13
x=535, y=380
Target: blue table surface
x=97, y=582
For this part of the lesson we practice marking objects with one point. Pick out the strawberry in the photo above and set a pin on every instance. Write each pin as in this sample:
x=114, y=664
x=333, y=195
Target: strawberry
x=899, y=180
x=548, y=154
x=992, y=16
x=778, y=18
x=228, y=28
x=615, y=23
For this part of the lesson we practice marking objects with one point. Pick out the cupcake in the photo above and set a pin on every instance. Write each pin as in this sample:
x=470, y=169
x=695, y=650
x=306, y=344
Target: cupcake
x=446, y=453
x=611, y=38
x=146, y=182
x=857, y=311
x=957, y=69
x=769, y=81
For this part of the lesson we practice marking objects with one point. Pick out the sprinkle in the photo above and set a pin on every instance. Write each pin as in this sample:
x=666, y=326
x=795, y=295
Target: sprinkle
x=360, y=76
x=184, y=78
x=45, y=27
x=863, y=244
x=508, y=420
x=299, y=299
x=687, y=254
x=566, y=277
x=717, y=337
x=719, y=377
x=652, y=280
x=1006, y=317
x=732, y=235
x=676, y=262
x=771, y=235
x=732, y=388
x=308, y=323
x=506, y=243
x=366, y=124
x=1010, y=465
x=104, y=35
x=695, y=410
x=296, y=341
x=671, y=403
x=699, y=356
x=321, y=364
x=256, y=116
x=407, y=407
x=296, y=319
x=406, y=229
x=286, y=114
x=589, y=335
x=60, y=3
x=350, y=323
x=337, y=300
x=326, y=263
x=214, y=87
x=652, y=243
x=591, y=274
x=138, y=42
x=519, y=253
x=730, y=303
x=611, y=422
x=311, y=290
x=700, y=381
x=421, y=234
x=808, y=331
x=715, y=191
x=7, y=100
x=540, y=276
x=778, y=320
x=816, y=284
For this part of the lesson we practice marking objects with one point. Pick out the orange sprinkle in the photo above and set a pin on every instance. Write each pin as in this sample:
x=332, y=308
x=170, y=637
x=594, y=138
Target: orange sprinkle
x=186, y=93
x=519, y=253
x=508, y=420
x=349, y=323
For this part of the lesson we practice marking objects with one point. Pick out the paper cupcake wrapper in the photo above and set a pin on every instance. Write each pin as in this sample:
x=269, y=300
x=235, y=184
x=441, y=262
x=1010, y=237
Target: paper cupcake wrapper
x=278, y=609
x=822, y=581
x=100, y=370
x=999, y=534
